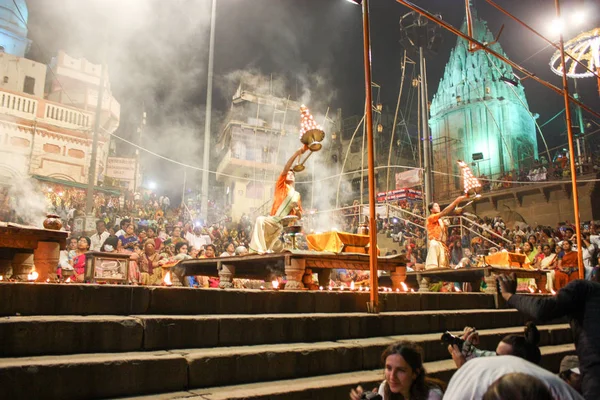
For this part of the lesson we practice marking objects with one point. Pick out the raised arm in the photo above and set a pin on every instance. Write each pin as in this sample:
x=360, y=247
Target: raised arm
x=446, y=211
x=289, y=163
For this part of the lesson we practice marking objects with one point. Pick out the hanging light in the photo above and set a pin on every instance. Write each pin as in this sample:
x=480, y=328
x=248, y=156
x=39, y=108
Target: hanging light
x=379, y=128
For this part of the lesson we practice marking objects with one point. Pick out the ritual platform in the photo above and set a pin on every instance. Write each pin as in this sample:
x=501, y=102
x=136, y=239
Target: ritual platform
x=23, y=248
x=298, y=266
x=474, y=276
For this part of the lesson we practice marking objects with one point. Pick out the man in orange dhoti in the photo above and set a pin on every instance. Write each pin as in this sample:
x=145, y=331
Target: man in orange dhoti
x=265, y=234
x=437, y=256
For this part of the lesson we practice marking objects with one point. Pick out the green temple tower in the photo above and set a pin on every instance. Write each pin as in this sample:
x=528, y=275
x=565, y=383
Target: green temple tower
x=479, y=107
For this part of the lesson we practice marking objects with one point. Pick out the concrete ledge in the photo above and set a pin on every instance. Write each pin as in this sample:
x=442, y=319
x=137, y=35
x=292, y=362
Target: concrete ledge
x=27, y=336
x=72, y=299
x=92, y=376
x=30, y=335
x=84, y=299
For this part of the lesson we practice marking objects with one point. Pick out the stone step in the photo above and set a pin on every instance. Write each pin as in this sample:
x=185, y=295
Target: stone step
x=123, y=374
x=334, y=386
x=84, y=299
x=45, y=335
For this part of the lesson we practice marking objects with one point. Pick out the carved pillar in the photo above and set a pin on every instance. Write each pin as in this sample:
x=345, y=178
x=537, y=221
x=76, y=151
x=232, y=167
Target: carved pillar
x=6, y=256
x=46, y=259
x=294, y=272
x=490, y=281
x=398, y=276
x=423, y=284
x=22, y=264
x=307, y=278
x=226, y=273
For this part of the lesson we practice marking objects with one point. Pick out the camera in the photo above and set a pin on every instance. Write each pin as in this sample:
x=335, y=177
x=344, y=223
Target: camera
x=450, y=339
x=371, y=396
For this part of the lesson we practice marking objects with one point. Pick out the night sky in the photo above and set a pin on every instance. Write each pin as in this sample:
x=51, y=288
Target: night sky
x=158, y=50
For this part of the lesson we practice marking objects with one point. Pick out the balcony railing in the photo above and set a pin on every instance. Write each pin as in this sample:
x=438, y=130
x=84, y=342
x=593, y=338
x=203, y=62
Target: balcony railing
x=19, y=106
x=67, y=117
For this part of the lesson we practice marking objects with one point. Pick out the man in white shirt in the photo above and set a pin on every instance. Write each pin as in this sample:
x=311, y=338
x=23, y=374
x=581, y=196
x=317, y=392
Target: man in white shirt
x=99, y=237
x=472, y=380
x=195, y=239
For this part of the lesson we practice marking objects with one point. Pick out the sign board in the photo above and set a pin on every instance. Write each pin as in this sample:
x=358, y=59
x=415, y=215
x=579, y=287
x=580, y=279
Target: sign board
x=120, y=168
x=408, y=179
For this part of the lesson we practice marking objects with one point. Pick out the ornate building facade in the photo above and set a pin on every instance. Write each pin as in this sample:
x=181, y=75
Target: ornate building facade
x=47, y=114
x=479, y=114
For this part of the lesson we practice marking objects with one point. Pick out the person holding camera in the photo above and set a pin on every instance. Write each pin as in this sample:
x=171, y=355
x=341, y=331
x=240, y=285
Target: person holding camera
x=579, y=301
x=523, y=346
x=405, y=376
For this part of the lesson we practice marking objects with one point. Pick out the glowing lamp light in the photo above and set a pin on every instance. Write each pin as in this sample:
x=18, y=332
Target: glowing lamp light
x=352, y=285
x=32, y=276
x=1, y=278
x=553, y=292
x=379, y=128
x=471, y=184
x=275, y=284
x=307, y=122
x=557, y=26
x=398, y=290
x=167, y=279
x=68, y=280
x=355, y=2
x=320, y=287
x=152, y=185
x=531, y=290
x=404, y=287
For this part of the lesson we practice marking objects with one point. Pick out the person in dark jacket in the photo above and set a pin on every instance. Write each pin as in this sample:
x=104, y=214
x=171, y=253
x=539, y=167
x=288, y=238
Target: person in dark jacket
x=580, y=302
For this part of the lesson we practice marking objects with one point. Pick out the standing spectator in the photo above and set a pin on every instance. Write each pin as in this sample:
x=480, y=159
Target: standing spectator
x=195, y=239
x=580, y=302
x=166, y=203
x=99, y=237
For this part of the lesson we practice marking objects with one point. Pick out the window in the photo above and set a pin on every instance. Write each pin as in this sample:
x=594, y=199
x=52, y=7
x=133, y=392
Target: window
x=28, y=85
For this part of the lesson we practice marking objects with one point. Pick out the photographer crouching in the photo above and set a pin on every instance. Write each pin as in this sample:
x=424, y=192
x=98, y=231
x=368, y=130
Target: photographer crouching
x=523, y=346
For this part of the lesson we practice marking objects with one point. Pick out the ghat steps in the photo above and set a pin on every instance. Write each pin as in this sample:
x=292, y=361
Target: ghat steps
x=88, y=341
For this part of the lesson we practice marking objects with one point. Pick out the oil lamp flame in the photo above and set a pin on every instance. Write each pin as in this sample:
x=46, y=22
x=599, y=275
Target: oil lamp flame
x=275, y=284
x=531, y=290
x=553, y=292
x=1, y=278
x=404, y=287
x=68, y=280
x=32, y=276
x=352, y=285
x=167, y=279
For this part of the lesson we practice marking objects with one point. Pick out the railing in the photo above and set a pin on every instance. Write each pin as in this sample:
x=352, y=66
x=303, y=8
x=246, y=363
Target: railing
x=17, y=105
x=67, y=117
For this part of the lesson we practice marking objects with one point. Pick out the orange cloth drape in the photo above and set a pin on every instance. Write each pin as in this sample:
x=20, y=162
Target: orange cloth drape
x=335, y=241
x=506, y=259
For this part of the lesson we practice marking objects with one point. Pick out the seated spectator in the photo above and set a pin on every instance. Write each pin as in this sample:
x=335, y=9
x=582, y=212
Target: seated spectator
x=150, y=270
x=241, y=250
x=229, y=250
x=78, y=261
x=405, y=376
x=569, y=372
x=518, y=386
x=473, y=380
x=567, y=269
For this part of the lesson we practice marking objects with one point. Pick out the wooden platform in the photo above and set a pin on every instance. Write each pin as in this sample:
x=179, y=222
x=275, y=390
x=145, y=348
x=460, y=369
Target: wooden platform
x=473, y=276
x=298, y=266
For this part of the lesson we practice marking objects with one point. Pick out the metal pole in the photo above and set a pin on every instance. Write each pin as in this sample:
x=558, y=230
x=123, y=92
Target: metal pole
x=575, y=196
x=137, y=151
x=387, y=185
x=425, y=131
x=209, y=85
x=581, y=135
x=89, y=200
x=183, y=189
x=373, y=306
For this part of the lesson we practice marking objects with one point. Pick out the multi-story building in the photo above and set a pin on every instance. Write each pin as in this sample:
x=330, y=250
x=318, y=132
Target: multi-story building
x=256, y=140
x=47, y=114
